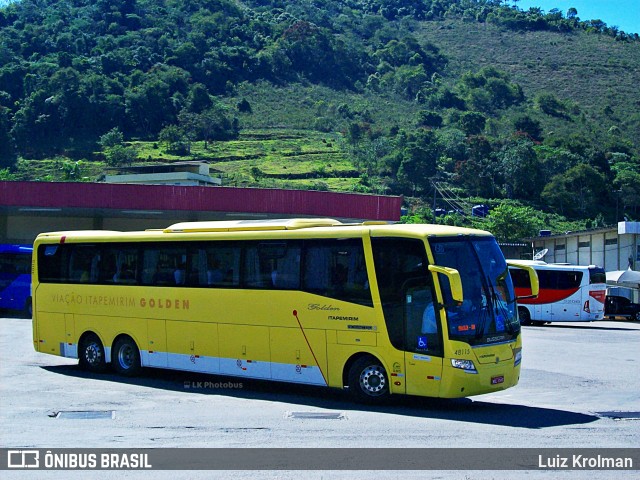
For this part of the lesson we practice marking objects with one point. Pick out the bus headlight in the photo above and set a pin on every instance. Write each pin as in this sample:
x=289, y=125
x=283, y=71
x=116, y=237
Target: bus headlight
x=467, y=365
x=517, y=358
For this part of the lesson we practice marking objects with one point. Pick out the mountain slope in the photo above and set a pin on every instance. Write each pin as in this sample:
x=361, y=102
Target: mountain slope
x=499, y=104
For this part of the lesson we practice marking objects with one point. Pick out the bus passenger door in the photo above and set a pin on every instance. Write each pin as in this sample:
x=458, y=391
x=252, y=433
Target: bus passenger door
x=423, y=343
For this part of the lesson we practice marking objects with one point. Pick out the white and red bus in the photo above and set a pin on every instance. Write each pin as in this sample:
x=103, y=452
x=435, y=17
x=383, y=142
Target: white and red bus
x=568, y=293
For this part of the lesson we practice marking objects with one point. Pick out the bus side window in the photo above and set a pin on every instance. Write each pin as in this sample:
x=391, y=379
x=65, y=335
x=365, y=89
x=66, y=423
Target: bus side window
x=51, y=259
x=272, y=265
x=126, y=265
x=83, y=264
x=219, y=265
x=286, y=274
x=337, y=269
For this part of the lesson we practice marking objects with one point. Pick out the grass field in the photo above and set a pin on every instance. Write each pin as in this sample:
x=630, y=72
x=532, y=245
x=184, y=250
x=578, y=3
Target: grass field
x=270, y=157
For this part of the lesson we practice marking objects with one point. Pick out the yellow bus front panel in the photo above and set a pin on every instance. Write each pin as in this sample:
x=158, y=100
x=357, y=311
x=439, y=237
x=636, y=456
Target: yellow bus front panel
x=488, y=378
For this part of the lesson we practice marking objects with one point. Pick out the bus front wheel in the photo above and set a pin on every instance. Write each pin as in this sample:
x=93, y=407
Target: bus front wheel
x=368, y=381
x=525, y=316
x=125, y=357
x=91, y=354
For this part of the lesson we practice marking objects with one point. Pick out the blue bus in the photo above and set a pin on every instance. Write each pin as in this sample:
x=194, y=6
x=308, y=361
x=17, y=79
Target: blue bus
x=15, y=278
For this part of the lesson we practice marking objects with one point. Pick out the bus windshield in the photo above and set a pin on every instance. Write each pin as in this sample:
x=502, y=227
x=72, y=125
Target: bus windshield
x=488, y=313
x=597, y=275
x=15, y=278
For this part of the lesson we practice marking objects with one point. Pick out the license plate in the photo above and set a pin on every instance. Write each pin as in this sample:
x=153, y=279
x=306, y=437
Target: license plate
x=497, y=380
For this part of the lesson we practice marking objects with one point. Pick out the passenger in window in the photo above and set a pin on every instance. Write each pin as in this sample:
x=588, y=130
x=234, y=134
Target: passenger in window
x=180, y=274
x=125, y=274
x=339, y=278
x=215, y=275
x=429, y=323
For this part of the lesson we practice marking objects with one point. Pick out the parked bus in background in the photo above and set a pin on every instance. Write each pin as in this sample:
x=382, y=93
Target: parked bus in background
x=568, y=293
x=379, y=309
x=15, y=278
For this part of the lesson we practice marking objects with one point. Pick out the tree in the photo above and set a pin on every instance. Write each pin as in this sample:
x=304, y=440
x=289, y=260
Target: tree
x=354, y=133
x=578, y=192
x=8, y=154
x=174, y=140
x=120, y=155
x=410, y=79
x=418, y=161
x=529, y=126
x=479, y=173
x=244, y=106
x=429, y=118
x=549, y=104
x=521, y=169
x=472, y=123
x=198, y=99
x=513, y=222
x=115, y=151
x=111, y=139
x=628, y=182
x=216, y=124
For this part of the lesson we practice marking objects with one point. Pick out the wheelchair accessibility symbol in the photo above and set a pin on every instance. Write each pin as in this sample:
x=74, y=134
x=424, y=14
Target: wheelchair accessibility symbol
x=422, y=343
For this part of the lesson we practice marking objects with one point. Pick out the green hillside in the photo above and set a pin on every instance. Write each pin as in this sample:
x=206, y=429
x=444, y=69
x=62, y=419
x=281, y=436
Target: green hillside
x=533, y=113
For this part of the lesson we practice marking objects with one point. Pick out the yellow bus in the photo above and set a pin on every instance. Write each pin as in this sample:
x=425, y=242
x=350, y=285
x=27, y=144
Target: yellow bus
x=378, y=309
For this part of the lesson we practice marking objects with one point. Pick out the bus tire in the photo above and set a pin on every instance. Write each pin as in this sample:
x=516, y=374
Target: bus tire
x=368, y=381
x=525, y=316
x=125, y=357
x=91, y=356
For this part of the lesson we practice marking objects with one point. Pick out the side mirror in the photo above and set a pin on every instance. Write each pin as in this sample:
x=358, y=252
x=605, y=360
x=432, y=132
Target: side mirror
x=454, y=280
x=533, y=278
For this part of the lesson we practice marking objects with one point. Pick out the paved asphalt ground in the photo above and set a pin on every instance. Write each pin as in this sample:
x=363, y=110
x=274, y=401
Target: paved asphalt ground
x=579, y=388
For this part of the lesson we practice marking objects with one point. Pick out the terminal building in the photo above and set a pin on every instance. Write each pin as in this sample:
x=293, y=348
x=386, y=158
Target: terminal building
x=195, y=174
x=29, y=208
x=614, y=247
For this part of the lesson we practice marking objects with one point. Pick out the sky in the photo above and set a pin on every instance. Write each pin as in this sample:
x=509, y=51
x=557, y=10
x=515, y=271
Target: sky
x=625, y=14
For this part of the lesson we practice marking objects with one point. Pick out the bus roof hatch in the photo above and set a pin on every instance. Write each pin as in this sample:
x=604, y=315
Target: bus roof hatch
x=251, y=225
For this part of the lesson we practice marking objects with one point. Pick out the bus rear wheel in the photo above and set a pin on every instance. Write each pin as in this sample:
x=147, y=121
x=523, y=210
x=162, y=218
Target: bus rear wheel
x=91, y=355
x=125, y=357
x=368, y=381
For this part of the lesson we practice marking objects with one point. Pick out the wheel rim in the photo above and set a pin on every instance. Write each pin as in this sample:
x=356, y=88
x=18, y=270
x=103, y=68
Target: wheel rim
x=93, y=354
x=126, y=357
x=373, y=381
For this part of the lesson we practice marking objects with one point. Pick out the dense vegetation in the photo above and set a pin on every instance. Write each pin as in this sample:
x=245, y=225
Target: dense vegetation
x=463, y=101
